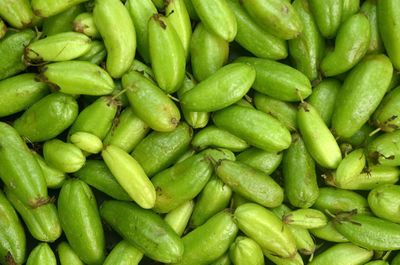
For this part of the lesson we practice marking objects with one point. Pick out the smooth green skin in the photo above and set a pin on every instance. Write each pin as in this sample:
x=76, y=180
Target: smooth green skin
x=116, y=28
x=320, y=142
x=339, y=200
x=298, y=167
x=223, y=260
x=150, y=103
x=323, y=98
x=20, y=92
x=387, y=115
x=178, y=17
x=246, y=251
x=78, y=77
x=194, y=119
x=167, y=54
x=208, y=52
x=257, y=128
x=349, y=8
x=12, y=234
x=128, y=132
x=369, y=9
x=97, y=118
x=3, y=29
x=65, y=157
x=12, y=47
x=370, y=232
x=304, y=242
x=396, y=260
x=307, y=49
x=96, y=174
x=179, y=217
x=376, y=176
x=17, y=14
x=42, y=255
x=158, y=3
x=297, y=260
x=278, y=80
x=327, y=15
x=84, y=23
x=181, y=182
x=254, y=38
x=124, y=254
x=388, y=23
x=343, y=254
x=250, y=183
x=19, y=170
x=218, y=17
x=237, y=200
x=279, y=18
x=259, y=159
x=215, y=197
x=130, y=175
x=361, y=93
x=264, y=227
x=377, y=262
x=384, y=201
x=350, y=167
x=67, y=255
x=329, y=233
x=189, y=152
x=223, y=88
x=54, y=177
x=143, y=68
x=48, y=8
x=351, y=44
x=144, y=229
x=361, y=137
x=190, y=9
x=306, y=218
x=385, y=149
x=96, y=54
x=140, y=12
x=47, y=118
x=63, y=46
x=62, y=22
x=87, y=142
x=209, y=241
x=43, y=222
x=216, y=137
x=80, y=220
x=160, y=150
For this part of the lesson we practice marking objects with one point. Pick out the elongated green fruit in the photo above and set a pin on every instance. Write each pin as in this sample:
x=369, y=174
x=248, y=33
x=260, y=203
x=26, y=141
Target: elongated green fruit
x=12, y=234
x=48, y=8
x=377, y=262
x=322, y=146
x=54, y=177
x=65, y=157
x=351, y=44
x=221, y=89
x=301, y=185
x=264, y=227
x=87, y=142
x=278, y=80
x=208, y=52
x=296, y=260
x=218, y=17
x=20, y=92
x=277, y=17
x=42, y=222
x=329, y=233
x=345, y=253
x=47, y=118
x=255, y=127
x=84, y=23
x=78, y=77
x=246, y=251
x=144, y=69
x=350, y=7
x=130, y=175
x=179, y=217
x=306, y=218
x=124, y=253
x=209, y=241
x=12, y=47
x=18, y=14
x=328, y=16
x=361, y=93
x=383, y=200
x=166, y=53
x=308, y=48
x=387, y=116
x=369, y=9
x=350, y=167
x=42, y=254
x=150, y=103
x=67, y=255
x=62, y=22
x=96, y=54
x=19, y=170
x=223, y=260
x=361, y=137
x=120, y=41
x=385, y=149
x=144, y=229
x=213, y=198
x=3, y=29
x=259, y=159
x=396, y=260
x=254, y=38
